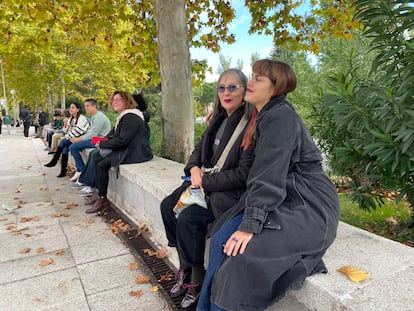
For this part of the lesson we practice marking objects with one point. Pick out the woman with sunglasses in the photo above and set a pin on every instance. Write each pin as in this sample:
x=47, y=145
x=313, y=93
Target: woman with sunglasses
x=223, y=188
x=277, y=234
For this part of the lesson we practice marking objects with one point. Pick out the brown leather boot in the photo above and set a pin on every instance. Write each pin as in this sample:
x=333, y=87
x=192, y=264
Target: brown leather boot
x=102, y=204
x=92, y=199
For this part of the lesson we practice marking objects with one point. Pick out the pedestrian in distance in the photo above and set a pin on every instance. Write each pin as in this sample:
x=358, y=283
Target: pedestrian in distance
x=24, y=115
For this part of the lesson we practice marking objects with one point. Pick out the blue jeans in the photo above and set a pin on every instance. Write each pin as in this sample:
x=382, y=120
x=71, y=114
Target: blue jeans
x=215, y=257
x=88, y=175
x=75, y=150
x=65, y=144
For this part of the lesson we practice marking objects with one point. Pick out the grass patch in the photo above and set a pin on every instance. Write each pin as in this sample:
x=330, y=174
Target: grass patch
x=390, y=220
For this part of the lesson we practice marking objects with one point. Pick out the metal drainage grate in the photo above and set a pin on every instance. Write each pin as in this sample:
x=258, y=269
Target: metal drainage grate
x=139, y=244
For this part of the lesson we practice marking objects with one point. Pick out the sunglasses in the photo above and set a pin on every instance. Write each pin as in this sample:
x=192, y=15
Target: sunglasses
x=231, y=88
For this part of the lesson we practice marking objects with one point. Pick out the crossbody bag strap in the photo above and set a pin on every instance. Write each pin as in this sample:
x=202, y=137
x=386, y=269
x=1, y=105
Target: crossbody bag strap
x=242, y=123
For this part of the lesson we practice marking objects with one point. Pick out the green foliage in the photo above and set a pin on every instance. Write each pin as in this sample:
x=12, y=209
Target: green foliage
x=364, y=122
x=389, y=220
x=204, y=96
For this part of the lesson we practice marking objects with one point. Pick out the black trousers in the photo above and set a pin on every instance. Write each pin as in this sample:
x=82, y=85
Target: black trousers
x=26, y=126
x=188, y=232
x=102, y=167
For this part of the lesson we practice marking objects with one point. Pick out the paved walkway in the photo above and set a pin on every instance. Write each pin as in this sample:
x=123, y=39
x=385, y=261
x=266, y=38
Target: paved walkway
x=54, y=256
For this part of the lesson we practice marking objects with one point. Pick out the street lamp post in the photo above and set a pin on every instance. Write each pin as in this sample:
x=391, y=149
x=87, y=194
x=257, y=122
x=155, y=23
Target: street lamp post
x=4, y=101
x=13, y=92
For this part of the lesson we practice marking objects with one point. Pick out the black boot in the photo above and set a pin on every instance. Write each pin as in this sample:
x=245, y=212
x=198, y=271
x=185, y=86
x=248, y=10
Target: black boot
x=55, y=158
x=64, y=166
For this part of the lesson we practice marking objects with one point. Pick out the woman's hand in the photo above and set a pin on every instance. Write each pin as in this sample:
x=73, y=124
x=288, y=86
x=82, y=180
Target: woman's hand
x=196, y=177
x=237, y=243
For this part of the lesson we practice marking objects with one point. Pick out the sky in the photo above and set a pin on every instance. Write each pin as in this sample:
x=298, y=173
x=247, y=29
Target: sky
x=245, y=44
x=242, y=49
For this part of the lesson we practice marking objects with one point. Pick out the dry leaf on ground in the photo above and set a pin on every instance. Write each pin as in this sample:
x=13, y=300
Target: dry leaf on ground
x=137, y=293
x=165, y=277
x=24, y=250
x=154, y=288
x=354, y=274
x=142, y=279
x=37, y=300
x=46, y=262
x=133, y=266
x=59, y=252
x=162, y=253
x=150, y=252
x=40, y=250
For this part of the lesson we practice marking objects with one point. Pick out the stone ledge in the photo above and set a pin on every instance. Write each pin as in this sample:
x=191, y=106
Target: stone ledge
x=140, y=188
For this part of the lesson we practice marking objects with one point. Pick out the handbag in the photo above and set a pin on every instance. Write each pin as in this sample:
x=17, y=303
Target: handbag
x=105, y=152
x=190, y=196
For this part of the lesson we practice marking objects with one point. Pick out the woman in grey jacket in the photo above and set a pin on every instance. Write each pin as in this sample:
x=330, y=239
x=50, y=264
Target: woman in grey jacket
x=278, y=232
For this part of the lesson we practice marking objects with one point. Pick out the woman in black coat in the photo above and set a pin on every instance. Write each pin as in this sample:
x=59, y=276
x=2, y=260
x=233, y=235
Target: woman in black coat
x=224, y=188
x=277, y=234
x=127, y=143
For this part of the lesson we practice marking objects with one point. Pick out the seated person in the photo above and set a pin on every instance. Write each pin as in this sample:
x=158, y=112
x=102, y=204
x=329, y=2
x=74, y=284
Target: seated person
x=55, y=126
x=99, y=126
x=127, y=143
x=78, y=125
x=223, y=186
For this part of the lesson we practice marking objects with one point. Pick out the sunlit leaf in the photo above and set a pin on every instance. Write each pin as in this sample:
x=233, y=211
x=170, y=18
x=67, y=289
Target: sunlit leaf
x=354, y=274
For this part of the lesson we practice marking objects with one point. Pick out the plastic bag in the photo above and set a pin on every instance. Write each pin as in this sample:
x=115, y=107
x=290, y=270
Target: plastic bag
x=190, y=196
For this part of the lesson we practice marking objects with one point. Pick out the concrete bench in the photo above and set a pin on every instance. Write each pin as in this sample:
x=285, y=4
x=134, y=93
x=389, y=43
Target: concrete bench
x=140, y=188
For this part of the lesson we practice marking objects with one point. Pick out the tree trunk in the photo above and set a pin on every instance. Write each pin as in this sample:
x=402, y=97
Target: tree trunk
x=174, y=54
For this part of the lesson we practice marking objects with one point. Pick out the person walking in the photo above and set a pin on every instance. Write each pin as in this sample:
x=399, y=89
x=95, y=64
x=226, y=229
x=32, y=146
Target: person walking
x=100, y=126
x=24, y=115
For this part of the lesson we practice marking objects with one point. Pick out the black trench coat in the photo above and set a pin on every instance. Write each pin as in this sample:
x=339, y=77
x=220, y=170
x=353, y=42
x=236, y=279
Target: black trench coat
x=290, y=205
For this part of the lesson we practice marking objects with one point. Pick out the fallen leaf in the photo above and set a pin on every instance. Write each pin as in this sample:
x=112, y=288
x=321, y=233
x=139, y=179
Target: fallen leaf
x=71, y=205
x=27, y=235
x=46, y=262
x=142, y=225
x=40, y=250
x=150, y=252
x=162, y=253
x=137, y=293
x=154, y=288
x=354, y=274
x=59, y=252
x=36, y=218
x=165, y=277
x=57, y=215
x=24, y=250
x=142, y=279
x=133, y=266
x=25, y=219
x=37, y=300
x=66, y=214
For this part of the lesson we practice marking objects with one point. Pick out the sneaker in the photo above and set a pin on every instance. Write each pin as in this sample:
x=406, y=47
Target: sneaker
x=191, y=297
x=77, y=184
x=86, y=192
x=47, y=149
x=181, y=277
